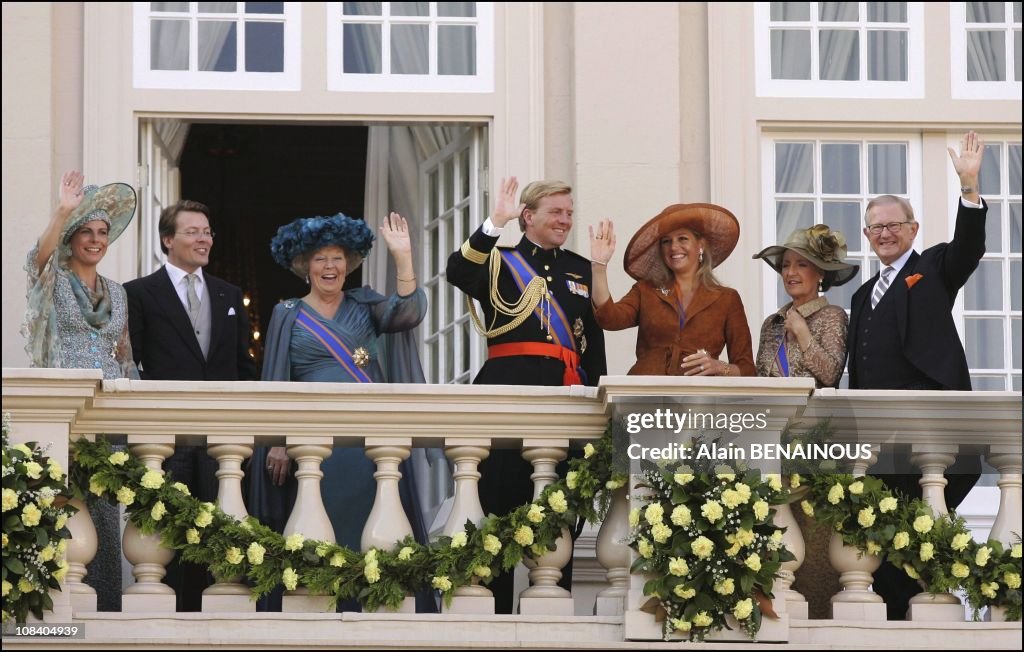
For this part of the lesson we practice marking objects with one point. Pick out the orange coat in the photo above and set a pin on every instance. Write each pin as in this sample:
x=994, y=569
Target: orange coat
x=714, y=320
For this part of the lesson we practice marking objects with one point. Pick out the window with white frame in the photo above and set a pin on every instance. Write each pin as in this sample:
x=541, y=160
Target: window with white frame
x=217, y=45
x=454, y=199
x=991, y=300
x=839, y=49
x=410, y=46
x=985, y=46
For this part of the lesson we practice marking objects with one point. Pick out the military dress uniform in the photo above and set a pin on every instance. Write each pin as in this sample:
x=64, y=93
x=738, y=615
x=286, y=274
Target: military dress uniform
x=556, y=342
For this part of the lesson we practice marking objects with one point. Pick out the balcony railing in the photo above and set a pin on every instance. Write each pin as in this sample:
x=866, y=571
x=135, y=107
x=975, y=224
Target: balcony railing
x=54, y=407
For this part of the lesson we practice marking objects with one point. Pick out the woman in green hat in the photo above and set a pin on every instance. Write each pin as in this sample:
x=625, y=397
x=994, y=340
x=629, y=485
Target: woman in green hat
x=75, y=318
x=807, y=336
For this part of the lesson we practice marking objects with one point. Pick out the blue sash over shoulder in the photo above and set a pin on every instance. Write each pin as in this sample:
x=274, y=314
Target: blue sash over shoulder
x=522, y=272
x=333, y=344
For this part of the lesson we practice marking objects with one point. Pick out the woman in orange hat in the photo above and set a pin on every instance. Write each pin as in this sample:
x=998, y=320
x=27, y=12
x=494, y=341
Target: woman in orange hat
x=685, y=316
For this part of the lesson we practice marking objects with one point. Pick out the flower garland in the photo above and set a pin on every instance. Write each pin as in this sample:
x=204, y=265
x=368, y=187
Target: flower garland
x=35, y=528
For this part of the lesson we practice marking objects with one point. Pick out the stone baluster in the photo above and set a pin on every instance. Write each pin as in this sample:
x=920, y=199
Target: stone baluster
x=545, y=597
x=148, y=557
x=933, y=460
x=613, y=555
x=230, y=451
x=1007, y=526
x=857, y=601
x=81, y=548
x=308, y=517
x=791, y=600
x=388, y=523
x=467, y=455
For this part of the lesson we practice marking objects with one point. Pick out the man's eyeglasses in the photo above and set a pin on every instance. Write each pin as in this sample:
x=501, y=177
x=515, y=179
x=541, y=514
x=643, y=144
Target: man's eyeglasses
x=894, y=227
x=192, y=234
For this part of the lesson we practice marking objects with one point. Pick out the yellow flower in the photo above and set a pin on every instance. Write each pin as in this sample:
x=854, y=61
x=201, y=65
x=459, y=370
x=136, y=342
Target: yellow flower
x=30, y=515
x=1015, y=551
x=681, y=625
x=441, y=582
x=927, y=551
x=459, y=540
x=734, y=549
x=725, y=472
x=33, y=470
x=492, y=544
x=294, y=542
x=95, y=487
x=836, y=493
x=807, y=507
x=753, y=562
x=731, y=498
x=10, y=499
x=152, y=479
x=874, y=548
x=866, y=517
x=372, y=572
x=25, y=586
x=702, y=619
x=46, y=496
x=989, y=589
x=960, y=570
x=761, y=510
x=255, y=553
x=47, y=553
x=634, y=517
x=683, y=478
x=7, y=586
x=233, y=555
x=322, y=549
x=683, y=592
x=901, y=540
x=725, y=587
x=712, y=510
x=557, y=501
x=654, y=513
x=681, y=516
x=62, y=520
x=702, y=547
x=56, y=470
x=794, y=481
x=661, y=533
x=588, y=450
x=614, y=484
x=125, y=496
x=923, y=524
x=290, y=579
x=524, y=535
x=743, y=609
x=645, y=548
x=981, y=558
x=61, y=547
x=774, y=481
x=571, y=478
x=182, y=487
x=536, y=514
x=192, y=536
x=888, y=504
x=1012, y=580
x=856, y=488
x=158, y=511
x=203, y=518
x=678, y=566
x=405, y=554
x=960, y=542
x=744, y=537
x=744, y=491
x=24, y=449
x=911, y=572
x=482, y=571
x=62, y=571
x=337, y=560
x=5, y=540
x=118, y=458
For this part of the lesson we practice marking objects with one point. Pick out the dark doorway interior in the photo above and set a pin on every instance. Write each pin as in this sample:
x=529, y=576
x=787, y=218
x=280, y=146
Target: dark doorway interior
x=256, y=178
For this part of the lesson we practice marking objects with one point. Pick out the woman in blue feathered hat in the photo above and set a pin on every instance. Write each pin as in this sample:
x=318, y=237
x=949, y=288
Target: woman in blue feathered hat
x=334, y=335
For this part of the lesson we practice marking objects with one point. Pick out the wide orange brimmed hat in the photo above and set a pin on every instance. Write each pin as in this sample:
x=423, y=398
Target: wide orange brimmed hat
x=716, y=225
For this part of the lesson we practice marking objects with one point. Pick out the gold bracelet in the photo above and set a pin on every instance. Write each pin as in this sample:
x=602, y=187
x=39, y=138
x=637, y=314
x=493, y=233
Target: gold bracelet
x=407, y=280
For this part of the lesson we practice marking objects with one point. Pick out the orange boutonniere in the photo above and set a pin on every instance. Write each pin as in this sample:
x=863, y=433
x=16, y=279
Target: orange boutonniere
x=913, y=279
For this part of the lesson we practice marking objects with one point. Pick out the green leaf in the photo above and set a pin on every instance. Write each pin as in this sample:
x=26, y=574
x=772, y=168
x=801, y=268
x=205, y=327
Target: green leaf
x=14, y=565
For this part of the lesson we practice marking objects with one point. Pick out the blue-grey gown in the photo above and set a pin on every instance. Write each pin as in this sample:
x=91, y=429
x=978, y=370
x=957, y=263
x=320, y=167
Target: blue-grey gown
x=381, y=325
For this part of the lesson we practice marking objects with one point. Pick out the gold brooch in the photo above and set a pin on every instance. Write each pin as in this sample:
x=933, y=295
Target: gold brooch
x=361, y=357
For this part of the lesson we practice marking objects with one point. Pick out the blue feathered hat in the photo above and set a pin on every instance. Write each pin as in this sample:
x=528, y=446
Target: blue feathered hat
x=307, y=234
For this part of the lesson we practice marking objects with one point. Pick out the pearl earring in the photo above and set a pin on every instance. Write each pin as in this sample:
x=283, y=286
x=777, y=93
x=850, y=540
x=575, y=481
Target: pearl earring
x=702, y=256
x=307, y=279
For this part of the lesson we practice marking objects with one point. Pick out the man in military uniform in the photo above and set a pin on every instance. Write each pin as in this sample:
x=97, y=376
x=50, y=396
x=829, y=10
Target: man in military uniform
x=538, y=319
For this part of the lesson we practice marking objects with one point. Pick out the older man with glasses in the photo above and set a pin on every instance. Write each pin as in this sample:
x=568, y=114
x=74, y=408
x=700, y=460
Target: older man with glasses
x=187, y=325
x=902, y=334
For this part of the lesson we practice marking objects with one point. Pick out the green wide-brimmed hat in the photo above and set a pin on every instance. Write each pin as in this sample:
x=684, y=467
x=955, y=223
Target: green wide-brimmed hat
x=825, y=248
x=114, y=203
